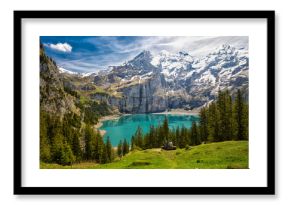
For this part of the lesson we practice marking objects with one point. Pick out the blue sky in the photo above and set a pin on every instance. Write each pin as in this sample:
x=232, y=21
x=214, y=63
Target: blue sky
x=88, y=53
x=91, y=53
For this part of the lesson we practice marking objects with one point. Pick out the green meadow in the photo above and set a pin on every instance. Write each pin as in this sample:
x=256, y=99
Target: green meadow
x=220, y=155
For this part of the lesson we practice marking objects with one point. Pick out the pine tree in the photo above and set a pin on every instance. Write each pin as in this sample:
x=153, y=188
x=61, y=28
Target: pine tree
x=230, y=115
x=146, y=142
x=183, y=137
x=67, y=157
x=155, y=137
x=241, y=117
x=172, y=134
x=139, y=138
x=120, y=149
x=133, y=143
x=177, y=136
x=224, y=106
x=160, y=133
x=90, y=142
x=246, y=121
x=67, y=130
x=194, y=138
x=198, y=140
x=104, y=155
x=152, y=139
x=109, y=150
x=98, y=147
x=45, y=154
x=165, y=128
x=203, y=124
x=76, y=147
x=57, y=148
x=220, y=115
x=214, y=123
x=125, y=148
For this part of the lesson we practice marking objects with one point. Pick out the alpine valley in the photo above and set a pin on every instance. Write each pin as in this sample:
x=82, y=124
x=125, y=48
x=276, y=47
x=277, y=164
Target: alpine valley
x=159, y=109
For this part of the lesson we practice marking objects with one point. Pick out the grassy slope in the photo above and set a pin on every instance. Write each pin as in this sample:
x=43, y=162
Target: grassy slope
x=222, y=155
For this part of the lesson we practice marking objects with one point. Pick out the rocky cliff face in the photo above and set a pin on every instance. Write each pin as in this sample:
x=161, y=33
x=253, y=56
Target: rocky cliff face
x=146, y=97
x=53, y=98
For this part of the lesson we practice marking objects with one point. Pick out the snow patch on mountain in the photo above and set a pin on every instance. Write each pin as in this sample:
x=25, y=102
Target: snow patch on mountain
x=63, y=70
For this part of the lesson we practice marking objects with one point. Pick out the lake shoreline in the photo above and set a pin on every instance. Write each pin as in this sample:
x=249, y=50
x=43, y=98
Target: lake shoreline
x=105, y=118
x=178, y=111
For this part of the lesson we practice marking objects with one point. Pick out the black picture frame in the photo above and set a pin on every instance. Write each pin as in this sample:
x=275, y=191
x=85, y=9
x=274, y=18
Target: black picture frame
x=269, y=189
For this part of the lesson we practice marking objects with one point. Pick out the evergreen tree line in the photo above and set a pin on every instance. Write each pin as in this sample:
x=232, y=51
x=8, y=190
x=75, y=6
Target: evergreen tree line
x=161, y=135
x=63, y=141
x=224, y=119
x=123, y=148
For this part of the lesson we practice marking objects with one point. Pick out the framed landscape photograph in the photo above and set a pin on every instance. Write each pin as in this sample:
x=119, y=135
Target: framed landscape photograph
x=144, y=102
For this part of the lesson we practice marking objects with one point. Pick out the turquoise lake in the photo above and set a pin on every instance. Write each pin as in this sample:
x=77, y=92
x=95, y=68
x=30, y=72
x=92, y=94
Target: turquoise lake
x=126, y=126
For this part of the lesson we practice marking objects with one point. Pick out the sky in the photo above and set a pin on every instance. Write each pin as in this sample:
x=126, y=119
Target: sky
x=92, y=53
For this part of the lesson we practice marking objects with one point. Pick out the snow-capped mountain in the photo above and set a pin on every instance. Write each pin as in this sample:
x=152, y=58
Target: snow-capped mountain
x=221, y=63
x=227, y=67
x=174, y=66
x=151, y=83
x=63, y=70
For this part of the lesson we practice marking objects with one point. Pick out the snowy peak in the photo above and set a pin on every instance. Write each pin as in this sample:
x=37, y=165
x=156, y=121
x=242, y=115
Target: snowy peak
x=144, y=55
x=183, y=53
x=226, y=49
x=164, y=58
x=225, y=57
x=164, y=53
x=141, y=64
x=63, y=70
x=173, y=65
x=226, y=67
x=143, y=58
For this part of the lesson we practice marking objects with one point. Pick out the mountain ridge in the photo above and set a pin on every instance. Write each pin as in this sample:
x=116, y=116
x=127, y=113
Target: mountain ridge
x=155, y=83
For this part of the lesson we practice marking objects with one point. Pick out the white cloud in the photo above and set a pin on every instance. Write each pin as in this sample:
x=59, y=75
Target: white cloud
x=63, y=47
x=195, y=45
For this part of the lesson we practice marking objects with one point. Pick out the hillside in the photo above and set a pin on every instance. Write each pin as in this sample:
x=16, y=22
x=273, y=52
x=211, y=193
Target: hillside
x=66, y=116
x=221, y=155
